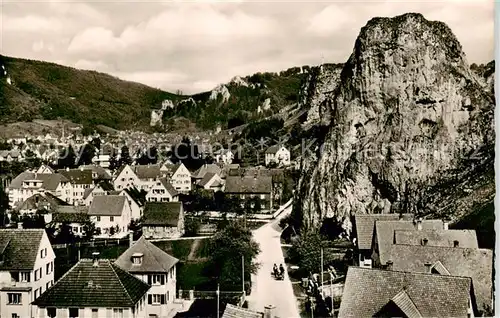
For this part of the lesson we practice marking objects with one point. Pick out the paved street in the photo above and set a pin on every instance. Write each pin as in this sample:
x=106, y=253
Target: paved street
x=265, y=289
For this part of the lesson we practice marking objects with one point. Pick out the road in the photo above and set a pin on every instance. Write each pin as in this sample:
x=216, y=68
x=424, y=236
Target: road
x=265, y=289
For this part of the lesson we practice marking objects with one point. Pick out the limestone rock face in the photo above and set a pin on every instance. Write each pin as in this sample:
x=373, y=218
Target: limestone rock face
x=404, y=118
x=220, y=90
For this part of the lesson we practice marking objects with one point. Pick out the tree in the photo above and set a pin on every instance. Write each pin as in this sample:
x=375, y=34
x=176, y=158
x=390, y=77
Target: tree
x=67, y=158
x=125, y=156
x=4, y=206
x=96, y=143
x=191, y=226
x=89, y=230
x=65, y=234
x=306, y=252
x=113, y=162
x=226, y=250
x=34, y=221
x=86, y=155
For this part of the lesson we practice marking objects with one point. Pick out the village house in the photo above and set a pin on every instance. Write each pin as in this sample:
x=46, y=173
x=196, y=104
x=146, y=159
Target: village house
x=11, y=155
x=162, y=191
x=211, y=182
x=98, y=288
x=45, y=169
x=364, y=226
x=26, y=184
x=80, y=180
x=277, y=154
x=153, y=266
x=74, y=216
x=163, y=220
x=381, y=293
x=135, y=205
x=103, y=156
x=142, y=177
x=26, y=270
x=102, y=188
x=248, y=187
x=99, y=174
x=111, y=214
x=180, y=177
x=224, y=156
x=199, y=174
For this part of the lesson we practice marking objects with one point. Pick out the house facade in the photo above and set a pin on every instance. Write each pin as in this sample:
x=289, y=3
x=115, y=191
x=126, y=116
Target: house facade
x=247, y=187
x=180, y=178
x=153, y=266
x=163, y=220
x=98, y=288
x=26, y=270
x=80, y=180
x=162, y=191
x=27, y=184
x=111, y=211
x=278, y=154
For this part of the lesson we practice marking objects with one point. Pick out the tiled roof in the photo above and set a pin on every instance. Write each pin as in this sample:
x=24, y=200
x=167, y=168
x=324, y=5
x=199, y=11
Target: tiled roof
x=365, y=223
x=109, y=205
x=367, y=292
x=260, y=184
x=50, y=180
x=465, y=238
x=100, y=171
x=77, y=176
x=22, y=248
x=232, y=311
x=169, y=187
x=207, y=168
x=208, y=176
x=403, y=301
x=153, y=259
x=384, y=231
x=162, y=213
x=467, y=262
x=86, y=285
x=40, y=201
x=144, y=172
x=273, y=149
x=71, y=213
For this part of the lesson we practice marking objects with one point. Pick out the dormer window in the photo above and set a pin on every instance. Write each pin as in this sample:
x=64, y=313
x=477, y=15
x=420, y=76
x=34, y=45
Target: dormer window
x=137, y=258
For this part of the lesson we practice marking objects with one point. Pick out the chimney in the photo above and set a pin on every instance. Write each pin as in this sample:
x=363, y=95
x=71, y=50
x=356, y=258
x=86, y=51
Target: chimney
x=428, y=267
x=130, y=238
x=456, y=243
x=95, y=258
x=20, y=225
x=419, y=224
x=389, y=265
x=424, y=241
x=268, y=311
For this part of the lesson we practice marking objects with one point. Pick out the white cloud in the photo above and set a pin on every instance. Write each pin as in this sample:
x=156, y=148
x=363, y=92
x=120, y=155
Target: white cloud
x=31, y=23
x=96, y=39
x=99, y=66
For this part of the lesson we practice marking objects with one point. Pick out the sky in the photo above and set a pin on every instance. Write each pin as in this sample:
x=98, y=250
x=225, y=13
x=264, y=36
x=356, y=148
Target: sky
x=193, y=46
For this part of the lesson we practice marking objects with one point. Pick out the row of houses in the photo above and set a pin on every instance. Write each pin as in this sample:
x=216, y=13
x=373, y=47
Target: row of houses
x=417, y=268
x=139, y=283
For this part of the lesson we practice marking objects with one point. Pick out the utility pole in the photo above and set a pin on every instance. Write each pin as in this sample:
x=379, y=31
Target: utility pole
x=243, y=273
x=217, y=300
x=322, y=290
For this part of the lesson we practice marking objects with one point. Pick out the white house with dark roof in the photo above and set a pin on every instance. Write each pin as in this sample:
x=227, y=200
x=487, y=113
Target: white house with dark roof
x=102, y=188
x=224, y=156
x=26, y=184
x=142, y=177
x=97, y=288
x=163, y=220
x=278, y=154
x=180, y=177
x=135, y=206
x=153, y=266
x=80, y=180
x=111, y=211
x=26, y=270
x=248, y=187
x=199, y=174
x=45, y=169
x=162, y=191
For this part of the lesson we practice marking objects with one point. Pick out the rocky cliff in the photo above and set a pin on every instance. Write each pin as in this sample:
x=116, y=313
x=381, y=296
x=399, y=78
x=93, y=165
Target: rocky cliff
x=409, y=127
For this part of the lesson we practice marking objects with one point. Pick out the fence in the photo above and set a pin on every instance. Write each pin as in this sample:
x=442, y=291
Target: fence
x=237, y=297
x=94, y=243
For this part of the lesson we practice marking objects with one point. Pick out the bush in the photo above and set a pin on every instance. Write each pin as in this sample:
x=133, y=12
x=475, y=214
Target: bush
x=192, y=226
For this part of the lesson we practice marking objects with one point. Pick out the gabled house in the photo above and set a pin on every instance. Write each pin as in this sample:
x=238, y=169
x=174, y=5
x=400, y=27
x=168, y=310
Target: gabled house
x=247, y=187
x=150, y=264
x=74, y=216
x=103, y=156
x=212, y=182
x=142, y=177
x=11, y=155
x=26, y=270
x=45, y=169
x=135, y=205
x=111, y=214
x=43, y=201
x=180, y=177
x=163, y=220
x=80, y=180
x=382, y=293
x=102, y=188
x=277, y=154
x=94, y=288
x=125, y=178
x=26, y=184
x=444, y=261
x=99, y=174
x=224, y=156
x=364, y=226
x=199, y=174
x=162, y=191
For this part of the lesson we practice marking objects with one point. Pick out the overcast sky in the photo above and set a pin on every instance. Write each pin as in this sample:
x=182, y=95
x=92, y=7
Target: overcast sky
x=193, y=46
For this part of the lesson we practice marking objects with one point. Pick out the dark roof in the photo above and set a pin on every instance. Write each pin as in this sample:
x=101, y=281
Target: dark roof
x=260, y=184
x=107, y=205
x=232, y=311
x=465, y=238
x=467, y=262
x=162, y=213
x=100, y=171
x=207, y=168
x=78, y=176
x=365, y=223
x=20, y=248
x=171, y=190
x=368, y=291
x=153, y=260
x=43, y=200
x=384, y=231
x=208, y=176
x=85, y=285
x=76, y=214
x=147, y=171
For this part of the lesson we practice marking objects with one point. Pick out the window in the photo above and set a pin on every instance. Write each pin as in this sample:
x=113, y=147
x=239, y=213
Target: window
x=73, y=312
x=51, y=312
x=98, y=218
x=43, y=253
x=25, y=277
x=262, y=196
x=156, y=279
x=95, y=311
x=111, y=218
x=15, y=316
x=156, y=299
x=47, y=286
x=137, y=260
x=14, y=298
x=118, y=313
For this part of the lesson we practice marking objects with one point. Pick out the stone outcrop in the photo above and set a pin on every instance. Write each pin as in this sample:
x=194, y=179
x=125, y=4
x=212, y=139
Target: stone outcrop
x=222, y=91
x=406, y=125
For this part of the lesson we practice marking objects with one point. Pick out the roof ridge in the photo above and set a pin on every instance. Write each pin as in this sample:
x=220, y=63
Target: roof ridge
x=119, y=280
x=66, y=274
x=412, y=273
x=154, y=255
